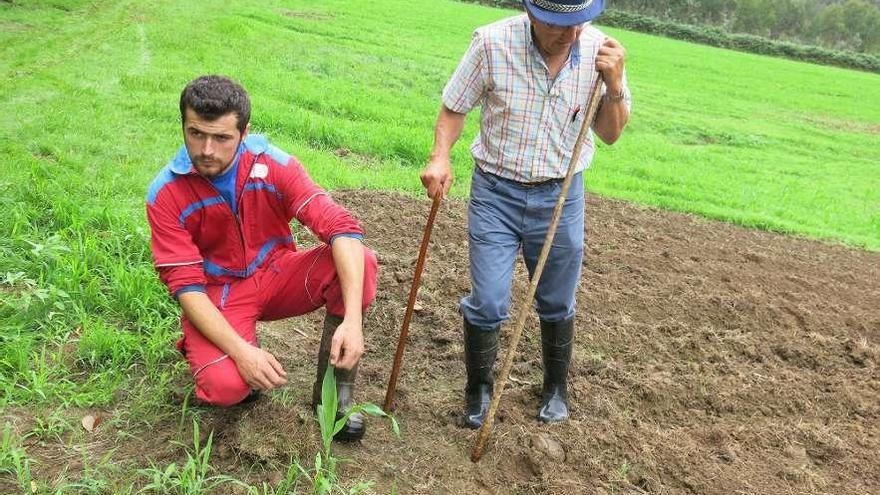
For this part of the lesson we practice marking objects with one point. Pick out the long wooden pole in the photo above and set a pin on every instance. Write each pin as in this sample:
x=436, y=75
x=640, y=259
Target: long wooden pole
x=413, y=292
x=489, y=420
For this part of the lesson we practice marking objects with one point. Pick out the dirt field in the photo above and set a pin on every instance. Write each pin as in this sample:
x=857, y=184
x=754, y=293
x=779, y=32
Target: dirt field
x=709, y=359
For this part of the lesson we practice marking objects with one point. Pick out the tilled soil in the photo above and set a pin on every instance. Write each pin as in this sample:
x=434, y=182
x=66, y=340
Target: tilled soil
x=709, y=359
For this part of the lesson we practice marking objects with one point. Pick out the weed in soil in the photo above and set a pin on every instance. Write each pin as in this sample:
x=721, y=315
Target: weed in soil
x=192, y=477
x=324, y=476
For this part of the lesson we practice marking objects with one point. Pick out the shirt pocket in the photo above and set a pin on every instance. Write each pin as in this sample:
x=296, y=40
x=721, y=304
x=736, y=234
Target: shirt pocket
x=572, y=110
x=508, y=111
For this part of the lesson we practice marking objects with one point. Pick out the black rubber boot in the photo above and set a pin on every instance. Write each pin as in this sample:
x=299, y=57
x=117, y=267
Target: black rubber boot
x=356, y=425
x=252, y=397
x=480, y=348
x=556, y=342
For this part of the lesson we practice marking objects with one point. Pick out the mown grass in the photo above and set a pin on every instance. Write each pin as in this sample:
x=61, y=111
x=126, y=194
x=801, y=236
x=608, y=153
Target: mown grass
x=88, y=114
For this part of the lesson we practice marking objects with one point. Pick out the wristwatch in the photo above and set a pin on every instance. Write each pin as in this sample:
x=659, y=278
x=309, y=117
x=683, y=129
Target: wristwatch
x=614, y=97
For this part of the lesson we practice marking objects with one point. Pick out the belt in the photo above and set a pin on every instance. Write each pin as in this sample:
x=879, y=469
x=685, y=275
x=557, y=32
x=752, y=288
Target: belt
x=540, y=183
x=529, y=185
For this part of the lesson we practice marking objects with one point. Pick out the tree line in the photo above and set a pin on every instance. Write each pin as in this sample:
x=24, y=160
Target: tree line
x=845, y=33
x=851, y=25
x=840, y=25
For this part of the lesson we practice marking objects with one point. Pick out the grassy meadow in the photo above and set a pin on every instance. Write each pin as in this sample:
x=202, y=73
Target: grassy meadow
x=88, y=115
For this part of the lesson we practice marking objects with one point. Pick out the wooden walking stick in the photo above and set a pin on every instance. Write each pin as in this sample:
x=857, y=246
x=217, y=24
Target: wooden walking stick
x=489, y=420
x=413, y=292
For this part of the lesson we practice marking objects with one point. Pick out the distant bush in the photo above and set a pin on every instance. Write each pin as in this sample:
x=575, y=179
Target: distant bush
x=714, y=36
x=743, y=42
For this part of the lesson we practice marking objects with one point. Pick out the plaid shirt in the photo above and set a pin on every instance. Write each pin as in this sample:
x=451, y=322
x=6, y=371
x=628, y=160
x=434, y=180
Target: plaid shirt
x=529, y=122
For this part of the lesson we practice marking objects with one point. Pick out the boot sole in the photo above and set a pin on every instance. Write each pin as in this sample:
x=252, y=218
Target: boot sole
x=349, y=436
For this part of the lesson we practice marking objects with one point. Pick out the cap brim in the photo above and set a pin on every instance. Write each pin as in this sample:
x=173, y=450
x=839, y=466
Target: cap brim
x=566, y=18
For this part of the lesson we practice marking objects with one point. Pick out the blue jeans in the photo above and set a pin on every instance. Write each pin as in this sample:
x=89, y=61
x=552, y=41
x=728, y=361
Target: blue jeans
x=505, y=217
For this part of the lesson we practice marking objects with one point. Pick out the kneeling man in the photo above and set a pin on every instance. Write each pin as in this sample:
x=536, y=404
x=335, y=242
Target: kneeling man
x=220, y=215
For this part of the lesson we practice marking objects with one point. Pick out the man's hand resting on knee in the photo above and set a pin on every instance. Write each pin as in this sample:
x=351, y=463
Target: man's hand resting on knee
x=259, y=368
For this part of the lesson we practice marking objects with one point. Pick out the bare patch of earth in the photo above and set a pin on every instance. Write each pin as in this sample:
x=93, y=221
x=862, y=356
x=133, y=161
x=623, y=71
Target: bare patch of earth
x=844, y=125
x=306, y=14
x=709, y=359
x=13, y=26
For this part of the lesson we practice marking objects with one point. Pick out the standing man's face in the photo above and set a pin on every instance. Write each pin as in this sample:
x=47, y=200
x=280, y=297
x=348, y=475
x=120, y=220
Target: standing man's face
x=555, y=40
x=211, y=144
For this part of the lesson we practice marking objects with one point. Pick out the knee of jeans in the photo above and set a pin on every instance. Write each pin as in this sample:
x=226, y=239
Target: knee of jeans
x=488, y=313
x=555, y=312
x=371, y=276
x=221, y=386
x=556, y=303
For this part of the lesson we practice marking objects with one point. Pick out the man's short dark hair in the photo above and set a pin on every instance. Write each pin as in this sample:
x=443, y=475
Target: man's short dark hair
x=212, y=97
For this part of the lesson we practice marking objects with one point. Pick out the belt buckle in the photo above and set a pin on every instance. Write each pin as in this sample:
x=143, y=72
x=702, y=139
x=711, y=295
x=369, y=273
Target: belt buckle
x=540, y=183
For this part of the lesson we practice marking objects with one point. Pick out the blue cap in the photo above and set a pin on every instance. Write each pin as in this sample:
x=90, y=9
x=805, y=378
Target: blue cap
x=564, y=12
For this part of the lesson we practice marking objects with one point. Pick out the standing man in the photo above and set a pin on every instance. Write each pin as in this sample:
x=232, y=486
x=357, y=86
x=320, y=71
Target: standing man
x=220, y=215
x=531, y=74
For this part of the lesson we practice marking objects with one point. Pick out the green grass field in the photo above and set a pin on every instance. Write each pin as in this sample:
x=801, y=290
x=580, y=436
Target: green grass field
x=88, y=115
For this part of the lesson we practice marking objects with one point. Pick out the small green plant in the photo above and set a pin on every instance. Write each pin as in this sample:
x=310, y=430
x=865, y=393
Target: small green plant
x=324, y=476
x=94, y=478
x=283, y=397
x=51, y=426
x=286, y=486
x=191, y=478
x=14, y=460
x=620, y=478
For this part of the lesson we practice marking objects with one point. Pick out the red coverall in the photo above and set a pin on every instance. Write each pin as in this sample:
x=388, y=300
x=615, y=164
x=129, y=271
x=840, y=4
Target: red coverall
x=247, y=263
